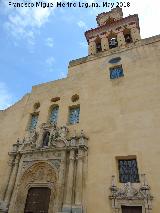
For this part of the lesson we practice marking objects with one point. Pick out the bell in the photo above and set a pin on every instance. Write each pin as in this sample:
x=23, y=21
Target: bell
x=113, y=42
x=128, y=39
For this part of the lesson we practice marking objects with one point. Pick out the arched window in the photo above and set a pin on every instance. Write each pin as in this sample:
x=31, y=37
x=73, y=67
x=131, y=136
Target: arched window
x=98, y=45
x=74, y=113
x=53, y=114
x=112, y=40
x=33, y=121
x=127, y=36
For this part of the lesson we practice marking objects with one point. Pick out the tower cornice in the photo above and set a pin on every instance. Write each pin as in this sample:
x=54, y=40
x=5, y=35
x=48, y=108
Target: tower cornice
x=131, y=20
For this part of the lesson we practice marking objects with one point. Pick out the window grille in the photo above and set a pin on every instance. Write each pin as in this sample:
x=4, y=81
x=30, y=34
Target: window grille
x=33, y=123
x=128, y=171
x=116, y=72
x=54, y=115
x=74, y=115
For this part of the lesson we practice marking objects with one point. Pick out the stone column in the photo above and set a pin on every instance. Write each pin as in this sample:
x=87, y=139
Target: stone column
x=79, y=177
x=61, y=182
x=135, y=34
x=11, y=164
x=104, y=43
x=79, y=183
x=120, y=39
x=12, y=180
x=92, y=47
x=69, y=189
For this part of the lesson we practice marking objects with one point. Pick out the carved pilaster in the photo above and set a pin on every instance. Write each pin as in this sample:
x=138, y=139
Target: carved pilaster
x=12, y=180
x=120, y=39
x=70, y=178
x=61, y=183
x=11, y=164
x=78, y=207
x=79, y=177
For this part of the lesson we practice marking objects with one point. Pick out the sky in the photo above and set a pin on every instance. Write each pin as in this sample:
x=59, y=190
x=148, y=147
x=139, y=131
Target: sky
x=36, y=44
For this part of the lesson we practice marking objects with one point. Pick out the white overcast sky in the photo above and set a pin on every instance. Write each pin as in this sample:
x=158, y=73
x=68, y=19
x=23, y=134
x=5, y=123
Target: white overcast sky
x=149, y=15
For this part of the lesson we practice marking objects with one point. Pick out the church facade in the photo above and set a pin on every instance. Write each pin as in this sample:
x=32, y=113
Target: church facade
x=90, y=142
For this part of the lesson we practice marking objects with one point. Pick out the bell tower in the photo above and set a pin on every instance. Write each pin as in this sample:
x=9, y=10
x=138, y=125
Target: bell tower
x=113, y=31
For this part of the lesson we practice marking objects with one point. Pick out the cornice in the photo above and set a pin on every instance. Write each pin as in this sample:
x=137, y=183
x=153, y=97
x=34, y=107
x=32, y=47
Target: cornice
x=140, y=43
x=107, y=27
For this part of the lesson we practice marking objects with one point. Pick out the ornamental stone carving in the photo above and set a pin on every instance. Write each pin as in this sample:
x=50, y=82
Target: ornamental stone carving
x=39, y=172
x=135, y=195
x=49, y=136
x=40, y=160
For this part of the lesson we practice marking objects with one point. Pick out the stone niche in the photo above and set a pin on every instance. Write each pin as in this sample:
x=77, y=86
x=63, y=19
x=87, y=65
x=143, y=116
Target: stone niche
x=131, y=195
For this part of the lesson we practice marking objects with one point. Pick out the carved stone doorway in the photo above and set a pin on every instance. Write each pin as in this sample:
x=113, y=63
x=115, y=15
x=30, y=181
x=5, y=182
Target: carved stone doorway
x=37, y=200
x=131, y=209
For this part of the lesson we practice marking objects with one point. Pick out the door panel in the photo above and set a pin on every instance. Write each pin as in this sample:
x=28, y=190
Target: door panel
x=37, y=200
x=131, y=209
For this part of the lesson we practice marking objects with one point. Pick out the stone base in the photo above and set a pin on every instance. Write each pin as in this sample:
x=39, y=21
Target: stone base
x=77, y=209
x=67, y=209
x=72, y=209
x=3, y=207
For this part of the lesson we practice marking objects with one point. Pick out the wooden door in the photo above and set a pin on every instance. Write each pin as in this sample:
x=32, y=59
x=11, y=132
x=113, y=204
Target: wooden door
x=37, y=200
x=131, y=209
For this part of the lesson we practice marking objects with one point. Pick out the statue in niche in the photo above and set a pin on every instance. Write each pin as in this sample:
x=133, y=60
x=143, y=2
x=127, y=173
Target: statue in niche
x=46, y=137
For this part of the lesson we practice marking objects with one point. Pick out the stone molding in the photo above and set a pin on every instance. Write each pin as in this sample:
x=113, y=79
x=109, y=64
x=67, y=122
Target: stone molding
x=131, y=195
x=33, y=164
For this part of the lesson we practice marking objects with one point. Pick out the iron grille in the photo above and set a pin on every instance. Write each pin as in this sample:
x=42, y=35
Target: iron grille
x=128, y=171
x=54, y=115
x=116, y=72
x=33, y=123
x=74, y=115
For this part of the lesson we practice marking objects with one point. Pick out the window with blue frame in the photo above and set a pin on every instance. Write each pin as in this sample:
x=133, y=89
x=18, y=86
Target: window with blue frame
x=33, y=121
x=116, y=72
x=54, y=115
x=74, y=115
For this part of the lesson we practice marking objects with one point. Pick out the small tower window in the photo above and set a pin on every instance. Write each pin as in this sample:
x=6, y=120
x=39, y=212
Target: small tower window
x=116, y=72
x=128, y=171
x=74, y=113
x=98, y=45
x=54, y=115
x=127, y=36
x=33, y=121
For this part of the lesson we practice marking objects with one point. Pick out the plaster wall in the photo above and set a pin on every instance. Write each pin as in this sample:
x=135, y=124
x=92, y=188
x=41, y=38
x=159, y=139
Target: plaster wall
x=120, y=117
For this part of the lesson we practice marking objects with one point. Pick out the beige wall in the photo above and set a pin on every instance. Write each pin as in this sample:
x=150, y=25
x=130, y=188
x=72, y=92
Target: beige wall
x=121, y=117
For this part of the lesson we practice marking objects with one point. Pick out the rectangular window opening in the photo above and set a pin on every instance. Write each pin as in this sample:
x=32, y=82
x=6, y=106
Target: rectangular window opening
x=74, y=113
x=128, y=170
x=116, y=72
x=54, y=115
x=33, y=121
